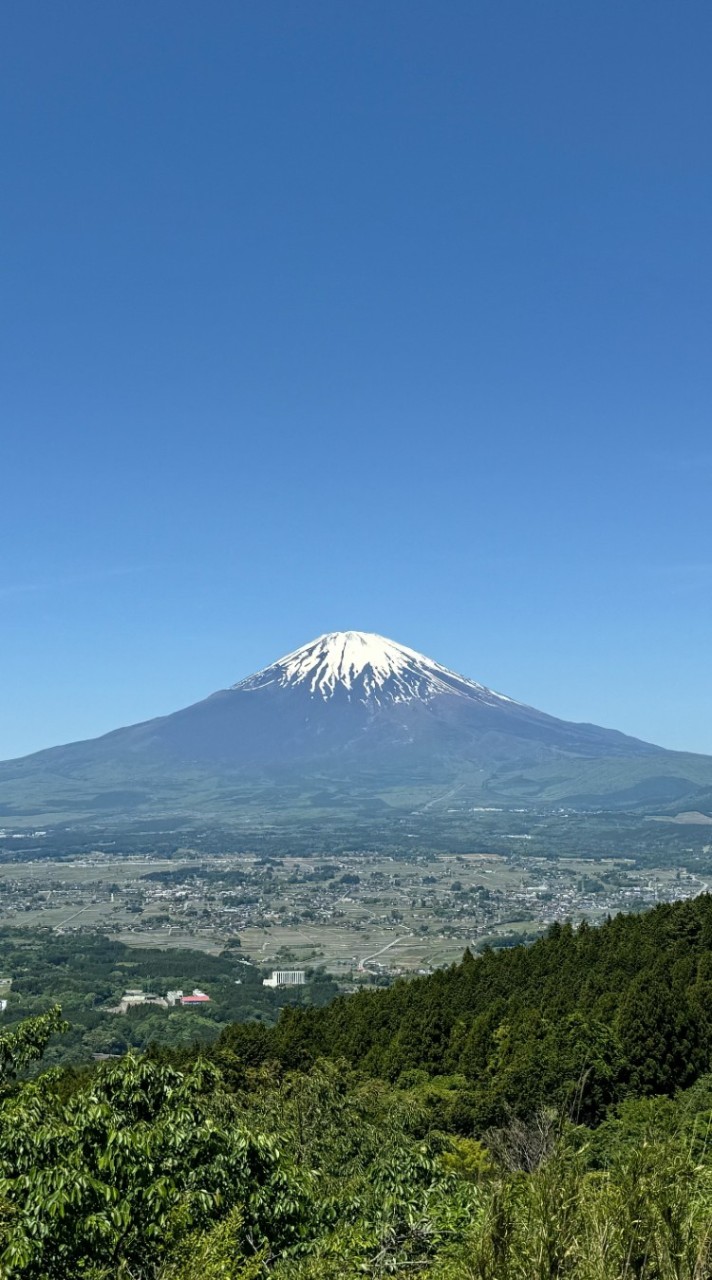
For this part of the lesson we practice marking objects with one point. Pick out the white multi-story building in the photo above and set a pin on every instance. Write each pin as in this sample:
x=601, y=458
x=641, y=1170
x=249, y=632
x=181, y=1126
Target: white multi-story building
x=285, y=978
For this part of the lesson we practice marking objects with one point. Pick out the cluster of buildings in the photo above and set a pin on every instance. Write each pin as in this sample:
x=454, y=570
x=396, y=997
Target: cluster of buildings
x=135, y=996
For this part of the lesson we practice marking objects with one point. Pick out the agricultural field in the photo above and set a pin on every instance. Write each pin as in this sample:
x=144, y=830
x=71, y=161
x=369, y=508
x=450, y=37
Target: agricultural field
x=359, y=914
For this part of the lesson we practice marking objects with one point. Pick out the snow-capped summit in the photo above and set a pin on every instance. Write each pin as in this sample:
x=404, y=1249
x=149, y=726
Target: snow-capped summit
x=354, y=725
x=367, y=668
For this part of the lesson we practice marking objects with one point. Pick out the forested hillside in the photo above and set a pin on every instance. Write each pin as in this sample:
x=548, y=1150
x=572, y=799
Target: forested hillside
x=541, y=1114
x=590, y=1013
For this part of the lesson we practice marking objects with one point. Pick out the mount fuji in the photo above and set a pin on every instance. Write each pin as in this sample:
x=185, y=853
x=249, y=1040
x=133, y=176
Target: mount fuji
x=350, y=721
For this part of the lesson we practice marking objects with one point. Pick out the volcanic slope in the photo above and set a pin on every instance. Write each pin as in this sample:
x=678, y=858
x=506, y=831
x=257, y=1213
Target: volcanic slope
x=351, y=718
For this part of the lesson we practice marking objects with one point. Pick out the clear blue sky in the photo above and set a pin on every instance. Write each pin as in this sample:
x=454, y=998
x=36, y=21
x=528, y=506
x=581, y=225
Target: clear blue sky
x=385, y=316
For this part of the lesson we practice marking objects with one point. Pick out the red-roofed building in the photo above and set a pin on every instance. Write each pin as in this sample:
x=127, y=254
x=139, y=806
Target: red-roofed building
x=198, y=997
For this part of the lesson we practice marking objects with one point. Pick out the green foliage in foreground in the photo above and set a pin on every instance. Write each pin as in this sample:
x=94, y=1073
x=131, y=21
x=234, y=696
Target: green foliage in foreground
x=145, y=1172
x=545, y=1114
x=26, y=1044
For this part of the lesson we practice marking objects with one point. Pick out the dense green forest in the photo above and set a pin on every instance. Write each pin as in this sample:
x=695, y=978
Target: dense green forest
x=588, y=833
x=582, y=1016
x=88, y=973
x=538, y=1113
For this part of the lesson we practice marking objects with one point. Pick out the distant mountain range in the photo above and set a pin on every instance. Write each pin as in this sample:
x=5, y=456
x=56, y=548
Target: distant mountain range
x=351, y=722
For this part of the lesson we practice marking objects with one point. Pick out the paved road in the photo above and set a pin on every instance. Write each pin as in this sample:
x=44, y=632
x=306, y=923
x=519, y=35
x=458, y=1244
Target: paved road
x=373, y=954
x=73, y=916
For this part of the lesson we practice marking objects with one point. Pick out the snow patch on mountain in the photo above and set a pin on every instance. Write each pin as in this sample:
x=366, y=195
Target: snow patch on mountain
x=367, y=667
